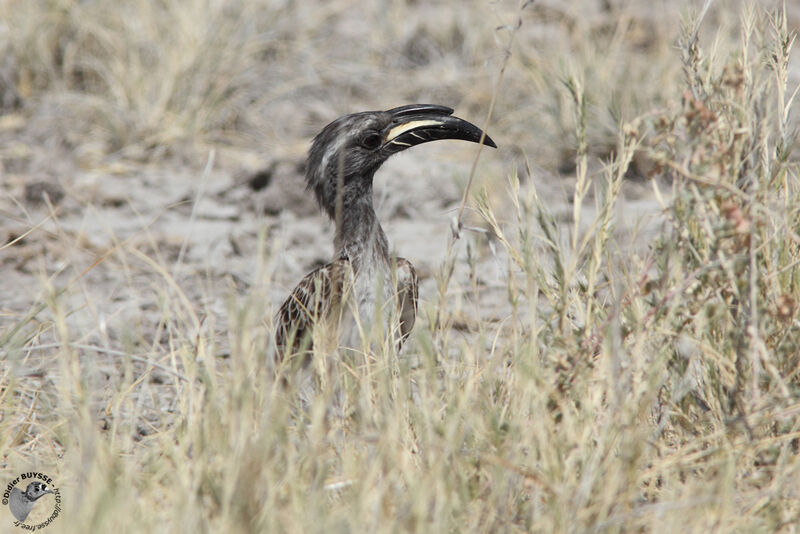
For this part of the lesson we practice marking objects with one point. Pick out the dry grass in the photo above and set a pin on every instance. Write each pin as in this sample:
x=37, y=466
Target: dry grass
x=604, y=384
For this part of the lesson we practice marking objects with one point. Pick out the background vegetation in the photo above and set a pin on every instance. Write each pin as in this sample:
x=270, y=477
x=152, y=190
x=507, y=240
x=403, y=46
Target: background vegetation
x=612, y=344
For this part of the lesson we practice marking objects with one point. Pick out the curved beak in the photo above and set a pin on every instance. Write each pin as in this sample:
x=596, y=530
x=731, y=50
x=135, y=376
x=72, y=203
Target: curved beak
x=420, y=123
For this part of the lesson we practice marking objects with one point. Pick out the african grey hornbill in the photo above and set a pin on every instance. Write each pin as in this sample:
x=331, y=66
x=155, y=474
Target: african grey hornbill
x=362, y=277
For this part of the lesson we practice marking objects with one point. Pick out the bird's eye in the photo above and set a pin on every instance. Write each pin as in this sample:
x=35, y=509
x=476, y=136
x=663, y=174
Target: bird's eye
x=371, y=140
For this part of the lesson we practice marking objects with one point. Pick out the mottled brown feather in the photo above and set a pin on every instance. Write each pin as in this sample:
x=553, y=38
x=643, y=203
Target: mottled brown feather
x=314, y=297
x=407, y=296
x=309, y=302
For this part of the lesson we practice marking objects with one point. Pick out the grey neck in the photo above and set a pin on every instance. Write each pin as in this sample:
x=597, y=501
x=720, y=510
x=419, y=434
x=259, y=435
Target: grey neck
x=359, y=237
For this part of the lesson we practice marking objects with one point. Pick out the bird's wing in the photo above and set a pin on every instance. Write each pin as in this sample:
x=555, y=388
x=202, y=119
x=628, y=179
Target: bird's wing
x=407, y=295
x=308, y=303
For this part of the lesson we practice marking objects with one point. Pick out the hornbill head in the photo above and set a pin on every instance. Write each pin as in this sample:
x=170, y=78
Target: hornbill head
x=352, y=148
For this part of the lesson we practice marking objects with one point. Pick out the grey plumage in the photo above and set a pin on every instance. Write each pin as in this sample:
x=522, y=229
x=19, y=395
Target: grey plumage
x=21, y=502
x=342, y=163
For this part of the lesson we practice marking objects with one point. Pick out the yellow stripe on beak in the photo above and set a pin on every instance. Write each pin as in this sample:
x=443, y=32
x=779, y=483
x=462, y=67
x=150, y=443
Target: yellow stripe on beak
x=403, y=128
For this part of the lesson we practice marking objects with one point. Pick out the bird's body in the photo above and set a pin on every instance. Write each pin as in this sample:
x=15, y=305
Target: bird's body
x=337, y=303
x=341, y=301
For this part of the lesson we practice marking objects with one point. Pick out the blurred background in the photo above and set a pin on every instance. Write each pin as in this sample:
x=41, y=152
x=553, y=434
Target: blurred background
x=138, y=80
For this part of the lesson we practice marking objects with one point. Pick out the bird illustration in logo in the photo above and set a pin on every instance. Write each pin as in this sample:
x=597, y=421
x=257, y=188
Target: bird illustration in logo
x=21, y=503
